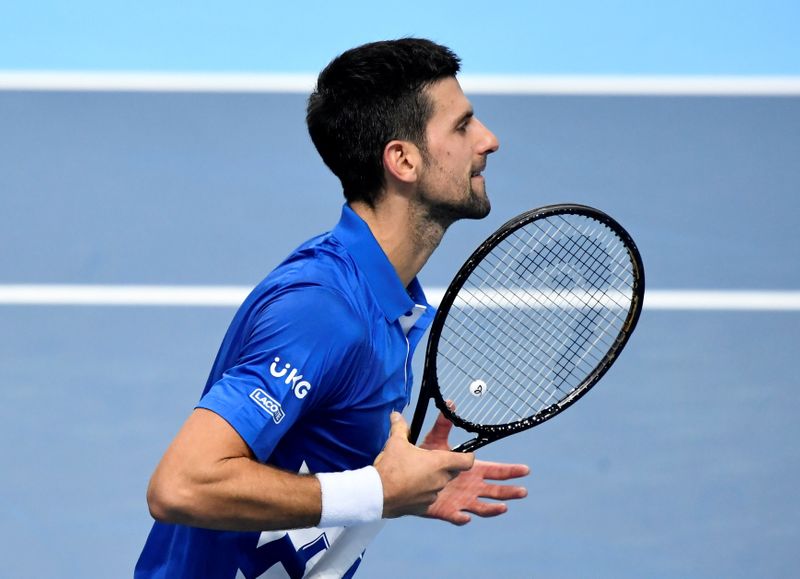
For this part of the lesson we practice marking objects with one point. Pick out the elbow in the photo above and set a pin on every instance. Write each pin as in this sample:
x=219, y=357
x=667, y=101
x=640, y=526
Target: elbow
x=169, y=500
x=161, y=508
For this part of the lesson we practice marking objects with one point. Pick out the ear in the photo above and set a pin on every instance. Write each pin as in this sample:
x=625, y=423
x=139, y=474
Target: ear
x=402, y=161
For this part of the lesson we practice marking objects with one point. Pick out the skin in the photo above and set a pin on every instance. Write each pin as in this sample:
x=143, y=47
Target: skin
x=463, y=494
x=208, y=477
x=426, y=191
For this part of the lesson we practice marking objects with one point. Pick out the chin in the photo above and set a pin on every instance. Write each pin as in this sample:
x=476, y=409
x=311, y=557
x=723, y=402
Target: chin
x=479, y=206
x=486, y=209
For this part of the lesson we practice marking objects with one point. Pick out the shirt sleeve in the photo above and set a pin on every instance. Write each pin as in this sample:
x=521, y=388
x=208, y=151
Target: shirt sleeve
x=293, y=360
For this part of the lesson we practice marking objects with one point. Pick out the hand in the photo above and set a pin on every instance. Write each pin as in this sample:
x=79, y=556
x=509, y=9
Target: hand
x=412, y=477
x=462, y=494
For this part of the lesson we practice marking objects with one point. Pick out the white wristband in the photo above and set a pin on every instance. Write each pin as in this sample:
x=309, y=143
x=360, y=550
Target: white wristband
x=351, y=497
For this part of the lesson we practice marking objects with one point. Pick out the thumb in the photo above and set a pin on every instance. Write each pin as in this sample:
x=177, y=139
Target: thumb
x=399, y=426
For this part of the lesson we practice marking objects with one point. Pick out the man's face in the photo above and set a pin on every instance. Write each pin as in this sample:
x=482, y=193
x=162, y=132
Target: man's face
x=457, y=144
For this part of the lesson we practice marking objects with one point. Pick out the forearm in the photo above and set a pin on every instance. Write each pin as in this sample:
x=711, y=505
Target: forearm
x=237, y=494
x=209, y=478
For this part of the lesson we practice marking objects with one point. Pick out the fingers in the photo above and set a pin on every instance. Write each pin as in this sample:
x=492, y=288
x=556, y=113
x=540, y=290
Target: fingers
x=438, y=437
x=413, y=477
x=399, y=426
x=502, y=492
x=501, y=471
x=457, y=461
x=439, y=434
x=459, y=518
x=460, y=515
x=487, y=510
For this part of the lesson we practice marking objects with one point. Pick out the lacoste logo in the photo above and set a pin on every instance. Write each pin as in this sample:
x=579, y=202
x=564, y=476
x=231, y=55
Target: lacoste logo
x=300, y=387
x=268, y=403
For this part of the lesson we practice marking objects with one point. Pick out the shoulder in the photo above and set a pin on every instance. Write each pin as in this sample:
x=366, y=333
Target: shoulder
x=308, y=308
x=319, y=277
x=317, y=297
x=321, y=261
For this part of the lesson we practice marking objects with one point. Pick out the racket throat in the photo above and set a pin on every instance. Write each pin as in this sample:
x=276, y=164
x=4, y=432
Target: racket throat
x=472, y=445
x=416, y=421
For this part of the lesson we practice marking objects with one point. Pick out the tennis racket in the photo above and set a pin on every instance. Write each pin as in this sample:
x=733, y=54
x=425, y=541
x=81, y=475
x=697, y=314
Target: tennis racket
x=532, y=320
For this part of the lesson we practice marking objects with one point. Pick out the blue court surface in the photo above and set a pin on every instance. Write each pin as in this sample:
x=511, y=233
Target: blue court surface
x=682, y=462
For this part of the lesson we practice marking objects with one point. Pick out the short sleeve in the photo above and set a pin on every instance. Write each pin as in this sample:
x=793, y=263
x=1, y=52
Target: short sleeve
x=294, y=359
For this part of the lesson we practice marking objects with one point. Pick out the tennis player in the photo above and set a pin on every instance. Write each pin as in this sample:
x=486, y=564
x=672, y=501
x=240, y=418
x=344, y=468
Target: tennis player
x=297, y=444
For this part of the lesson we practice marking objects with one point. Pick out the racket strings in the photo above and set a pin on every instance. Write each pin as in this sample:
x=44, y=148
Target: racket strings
x=563, y=366
x=558, y=375
x=515, y=364
x=505, y=360
x=533, y=319
x=518, y=378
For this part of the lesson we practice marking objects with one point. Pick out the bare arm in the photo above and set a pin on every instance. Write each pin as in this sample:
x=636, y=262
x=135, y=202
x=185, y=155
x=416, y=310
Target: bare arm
x=209, y=478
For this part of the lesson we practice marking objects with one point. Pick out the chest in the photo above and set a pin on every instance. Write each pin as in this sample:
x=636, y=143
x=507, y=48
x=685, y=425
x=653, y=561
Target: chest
x=351, y=427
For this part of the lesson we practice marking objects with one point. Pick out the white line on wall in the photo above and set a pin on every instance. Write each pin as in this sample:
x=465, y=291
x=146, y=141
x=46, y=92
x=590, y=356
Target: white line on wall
x=116, y=81
x=232, y=296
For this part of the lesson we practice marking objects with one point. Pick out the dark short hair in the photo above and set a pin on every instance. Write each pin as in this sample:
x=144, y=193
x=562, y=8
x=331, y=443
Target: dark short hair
x=369, y=96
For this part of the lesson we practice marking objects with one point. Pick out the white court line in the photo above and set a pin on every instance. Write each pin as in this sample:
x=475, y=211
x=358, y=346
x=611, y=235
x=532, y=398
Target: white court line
x=232, y=296
x=122, y=295
x=115, y=81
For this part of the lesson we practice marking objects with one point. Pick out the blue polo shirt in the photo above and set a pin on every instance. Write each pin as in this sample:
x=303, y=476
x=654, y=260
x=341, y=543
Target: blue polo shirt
x=313, y=363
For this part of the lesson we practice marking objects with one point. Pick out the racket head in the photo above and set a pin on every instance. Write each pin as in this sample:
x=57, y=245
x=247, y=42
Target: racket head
x=532, y=320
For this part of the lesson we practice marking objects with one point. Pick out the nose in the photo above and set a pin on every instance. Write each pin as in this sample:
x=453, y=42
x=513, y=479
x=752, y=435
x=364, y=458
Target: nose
x=488, y=142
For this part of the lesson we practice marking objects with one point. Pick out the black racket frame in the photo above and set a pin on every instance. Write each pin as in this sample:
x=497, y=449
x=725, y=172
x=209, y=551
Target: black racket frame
x=490, y=433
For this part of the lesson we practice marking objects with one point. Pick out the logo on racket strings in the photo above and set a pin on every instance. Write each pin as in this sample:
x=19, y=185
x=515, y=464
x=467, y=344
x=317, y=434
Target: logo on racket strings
x=477, y=388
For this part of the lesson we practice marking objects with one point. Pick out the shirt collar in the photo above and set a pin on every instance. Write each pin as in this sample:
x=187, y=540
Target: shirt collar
x=394, y=299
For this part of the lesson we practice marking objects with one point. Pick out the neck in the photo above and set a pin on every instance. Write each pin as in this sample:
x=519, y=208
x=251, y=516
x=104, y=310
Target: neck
x=404, y=230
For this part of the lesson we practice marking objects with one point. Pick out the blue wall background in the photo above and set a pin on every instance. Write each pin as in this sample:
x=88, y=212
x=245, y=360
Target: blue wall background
x=708, y=37
x=682, y=463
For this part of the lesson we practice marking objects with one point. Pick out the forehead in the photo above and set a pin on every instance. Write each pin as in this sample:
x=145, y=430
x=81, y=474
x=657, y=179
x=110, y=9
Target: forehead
x=448, y=101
